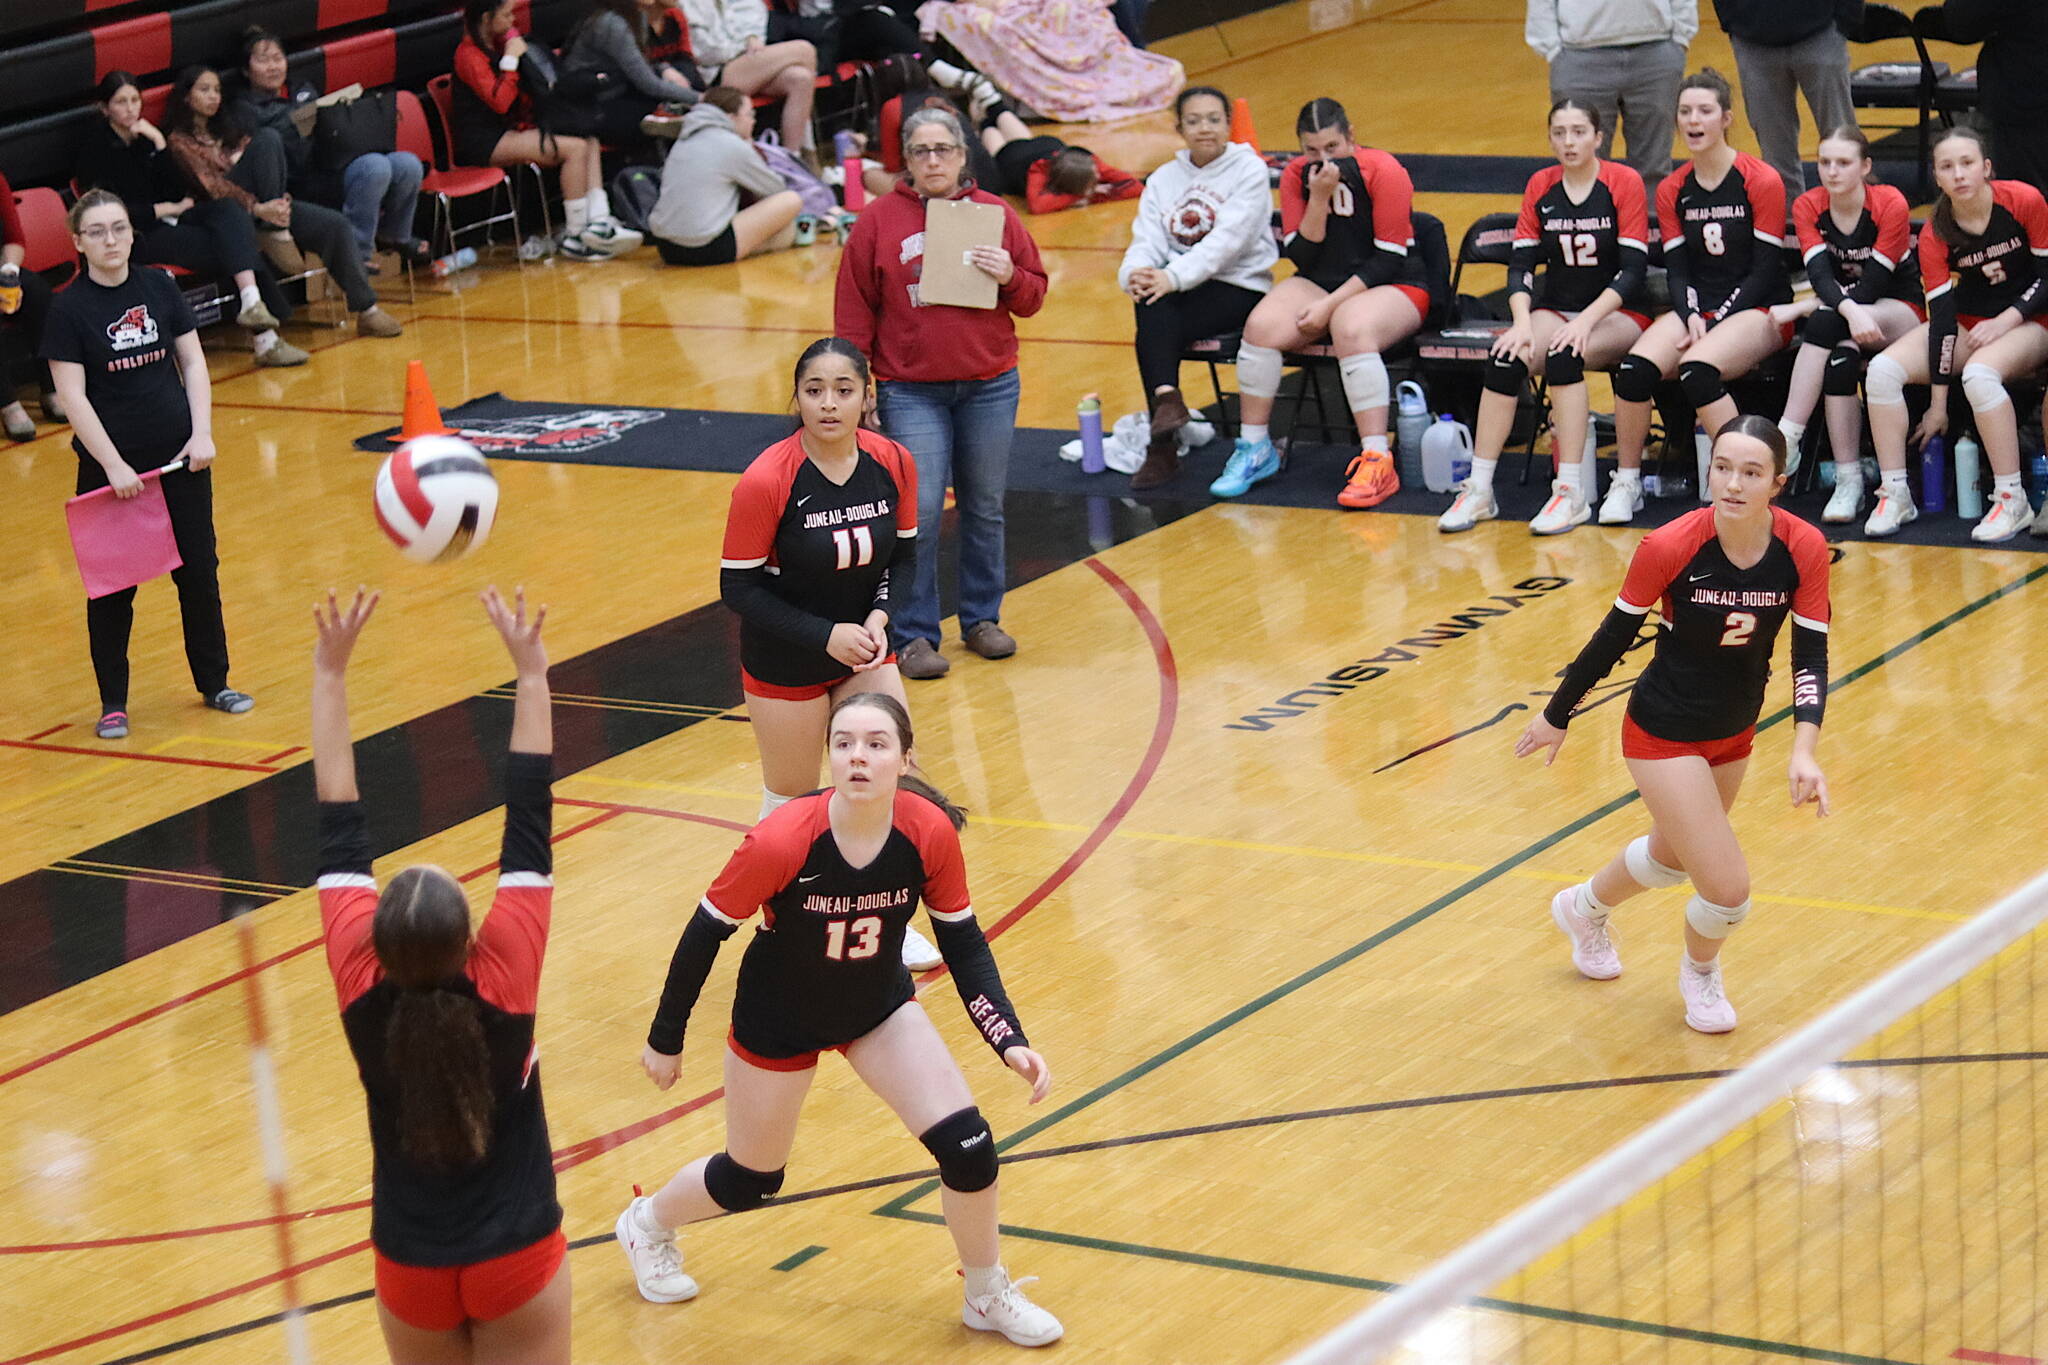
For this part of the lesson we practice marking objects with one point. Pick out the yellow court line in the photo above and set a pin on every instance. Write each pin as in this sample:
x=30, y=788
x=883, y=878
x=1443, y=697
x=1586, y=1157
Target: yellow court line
x=78, y=871
x=1330, y=854
x=202, y=879
x=265, y=746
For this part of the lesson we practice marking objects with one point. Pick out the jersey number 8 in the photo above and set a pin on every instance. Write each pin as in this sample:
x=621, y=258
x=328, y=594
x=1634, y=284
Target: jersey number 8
x=866, y=933
x=859, y=541
x=1711, y=237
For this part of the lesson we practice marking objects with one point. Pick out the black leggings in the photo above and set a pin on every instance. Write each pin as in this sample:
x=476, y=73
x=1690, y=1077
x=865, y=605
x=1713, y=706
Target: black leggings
x=1170, y=326
x=108, y=619
x=262, y=171
x=214, y=239
x=21, y=337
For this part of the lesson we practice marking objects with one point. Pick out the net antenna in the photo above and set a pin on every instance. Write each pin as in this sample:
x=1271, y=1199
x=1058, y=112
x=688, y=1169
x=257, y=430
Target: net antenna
x=270, y=1130
x=1812, y=1059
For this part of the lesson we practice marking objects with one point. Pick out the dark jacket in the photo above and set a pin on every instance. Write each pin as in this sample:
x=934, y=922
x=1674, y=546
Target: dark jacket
x=254, y=109
x=136, y=171
x=2012, y=69
x=1781, y=23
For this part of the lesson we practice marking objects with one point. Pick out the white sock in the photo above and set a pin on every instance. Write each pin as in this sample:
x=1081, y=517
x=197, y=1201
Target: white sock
x=983, y=1281
x=1634, y=476
x=266, y=342
x=1572, y=474
x=1848, y=469
x=1793, y=431
x=1701, y=967
x=251, y=296
x=1896, y=478
x=1590, y=907
x=770, y=803
x=1253, y=431
x=2006, y=483
x=945, y=73
x=600, y=203
x=1378, y=443
x=576, y=215
x=644, y=1219
x=1482, y=473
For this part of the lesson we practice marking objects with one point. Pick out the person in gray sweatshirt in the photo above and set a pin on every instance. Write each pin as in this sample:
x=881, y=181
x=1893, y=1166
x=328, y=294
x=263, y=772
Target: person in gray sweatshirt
x=607, y=42
x=1625, y=58
x=712, y=169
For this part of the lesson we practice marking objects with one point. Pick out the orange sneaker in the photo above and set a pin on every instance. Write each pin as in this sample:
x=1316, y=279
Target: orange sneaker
x=1370, y=480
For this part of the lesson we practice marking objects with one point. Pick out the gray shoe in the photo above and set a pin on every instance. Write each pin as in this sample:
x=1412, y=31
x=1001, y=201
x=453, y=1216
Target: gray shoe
x=16, y=422
x=990, y=641
x=282, y=356
x=921, y=661
x=2039, y=529
x=375, y=322
x=231, y=701
x=53, y=407
x=256, y=318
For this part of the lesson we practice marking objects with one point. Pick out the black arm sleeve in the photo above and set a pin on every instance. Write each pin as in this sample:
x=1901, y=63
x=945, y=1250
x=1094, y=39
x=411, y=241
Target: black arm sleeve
x=529, y=814
x=902, y=558
x=1382, y=267
x=1875, y=284
x=1628, y=281
x=1820, y=272
x=1941, y=336
x=1766, y=273
x=1595, y=661
x=1522, y=263
x=1304, y=253
x=980, y=985
x=344, y=838
x=1683, y=301
x=1809, y=673
x=746, y=591
x=698, y=948
x=2033, y=300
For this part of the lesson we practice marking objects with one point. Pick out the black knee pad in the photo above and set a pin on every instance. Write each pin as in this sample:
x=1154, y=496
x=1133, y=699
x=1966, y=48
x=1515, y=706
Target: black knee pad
x=736, y=1188
x=1562, y=369
x=1825, y=327
x=965, y=1149
x=1844, y=372
x=1636, y=379
x=1701, y=382
x=1504, y=376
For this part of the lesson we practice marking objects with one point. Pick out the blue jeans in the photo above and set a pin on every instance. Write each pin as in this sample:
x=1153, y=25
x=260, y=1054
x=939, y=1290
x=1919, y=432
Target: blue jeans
x=380, y=193
x=960, y=434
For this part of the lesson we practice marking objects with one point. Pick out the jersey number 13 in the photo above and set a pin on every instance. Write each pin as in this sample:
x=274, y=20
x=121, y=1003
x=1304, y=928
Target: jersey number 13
x=865, y=932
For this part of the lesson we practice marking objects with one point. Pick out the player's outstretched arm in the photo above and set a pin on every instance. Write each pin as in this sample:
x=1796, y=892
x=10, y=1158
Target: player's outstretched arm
x=533, y=730
x=334, y=754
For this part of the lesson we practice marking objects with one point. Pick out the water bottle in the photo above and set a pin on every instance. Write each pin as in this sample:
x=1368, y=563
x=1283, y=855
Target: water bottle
x=853, y=193
x=1969, y=470
x=1090, y=415
x=1590, y=457
x=1446, y=454
x=461, y=259
x=10, y=288
x=2037, y=474
x=1703, y=456
x=845, y=143
x=1411, y=423
x=1933, y=477
x=1827, y=474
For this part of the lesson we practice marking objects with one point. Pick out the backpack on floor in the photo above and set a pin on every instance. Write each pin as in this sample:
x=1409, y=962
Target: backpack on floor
x=634, y=191
x=817, y=196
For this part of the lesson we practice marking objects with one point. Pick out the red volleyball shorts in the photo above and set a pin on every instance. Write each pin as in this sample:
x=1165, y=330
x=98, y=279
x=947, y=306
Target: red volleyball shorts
x=1786, y=330
x=1417, y=296
x=802, y=1061
x=442, y=1298
x=754, y=687
x=1636, y=742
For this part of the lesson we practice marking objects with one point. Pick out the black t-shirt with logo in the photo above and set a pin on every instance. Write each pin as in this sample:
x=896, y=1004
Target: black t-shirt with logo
x=124, y=336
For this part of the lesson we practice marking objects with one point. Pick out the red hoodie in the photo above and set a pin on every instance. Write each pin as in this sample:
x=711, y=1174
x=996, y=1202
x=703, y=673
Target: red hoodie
x=1110, y=184
x=876, y=305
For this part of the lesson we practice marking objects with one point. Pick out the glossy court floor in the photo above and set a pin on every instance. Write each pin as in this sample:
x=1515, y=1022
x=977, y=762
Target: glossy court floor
x=1285, y=945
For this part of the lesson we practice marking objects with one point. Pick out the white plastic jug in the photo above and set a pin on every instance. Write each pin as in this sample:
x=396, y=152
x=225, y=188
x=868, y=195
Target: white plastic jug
x=1411, y=424
x=1446, y=454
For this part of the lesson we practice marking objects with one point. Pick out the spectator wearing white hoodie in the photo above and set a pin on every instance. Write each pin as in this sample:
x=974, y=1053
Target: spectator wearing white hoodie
x=1201, y=257
x=1623, y=58
x=698, y=218
x=729, y=39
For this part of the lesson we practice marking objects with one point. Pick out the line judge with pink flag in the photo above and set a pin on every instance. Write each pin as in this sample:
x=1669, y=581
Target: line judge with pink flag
x=124, y=352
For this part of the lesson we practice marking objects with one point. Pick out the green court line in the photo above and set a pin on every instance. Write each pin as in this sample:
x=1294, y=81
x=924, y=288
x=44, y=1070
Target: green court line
x=901, y=1203
x=1527, y=1310
x=792, y=1262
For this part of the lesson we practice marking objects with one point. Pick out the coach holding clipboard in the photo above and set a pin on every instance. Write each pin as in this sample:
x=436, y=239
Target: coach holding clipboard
x=124, y=352
x=946, y=374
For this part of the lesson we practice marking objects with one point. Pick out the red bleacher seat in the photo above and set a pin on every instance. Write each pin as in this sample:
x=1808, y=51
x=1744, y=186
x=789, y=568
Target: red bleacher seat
x=46, y=236
x=140, y=44
x=369, y=60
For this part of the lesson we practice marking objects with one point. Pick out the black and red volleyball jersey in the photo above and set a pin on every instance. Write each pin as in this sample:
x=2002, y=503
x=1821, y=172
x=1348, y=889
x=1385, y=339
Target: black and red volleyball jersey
x=1584, y=247
x=1713, y=656
x=425, y=1217
x=1724, y=246
x=2004, y=266
x=1864, y=264
x=803, y=554
x=1368, y=233
x=668, y=39
x=826, y=965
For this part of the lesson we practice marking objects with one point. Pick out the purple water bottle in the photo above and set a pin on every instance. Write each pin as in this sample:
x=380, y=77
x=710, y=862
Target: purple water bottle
x=1934, y=476
x=1090, y=414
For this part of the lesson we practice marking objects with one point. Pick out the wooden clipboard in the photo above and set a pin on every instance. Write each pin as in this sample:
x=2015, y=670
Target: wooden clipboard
x=951, y=227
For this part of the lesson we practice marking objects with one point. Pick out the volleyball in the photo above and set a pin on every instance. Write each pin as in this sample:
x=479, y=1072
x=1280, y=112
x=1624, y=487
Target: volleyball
x=436, y=498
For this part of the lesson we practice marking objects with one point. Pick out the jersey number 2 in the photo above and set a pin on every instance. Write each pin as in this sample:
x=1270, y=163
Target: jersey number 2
x=1579, y=248
x=856, y=546
x=1741, y=625
x=866, y=933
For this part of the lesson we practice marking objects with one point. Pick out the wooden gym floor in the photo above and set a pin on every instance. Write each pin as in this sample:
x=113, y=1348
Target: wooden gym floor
x=1286, y=946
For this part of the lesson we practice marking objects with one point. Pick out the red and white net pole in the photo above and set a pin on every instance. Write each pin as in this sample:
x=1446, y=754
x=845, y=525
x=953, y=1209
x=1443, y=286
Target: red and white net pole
x=270, y=1128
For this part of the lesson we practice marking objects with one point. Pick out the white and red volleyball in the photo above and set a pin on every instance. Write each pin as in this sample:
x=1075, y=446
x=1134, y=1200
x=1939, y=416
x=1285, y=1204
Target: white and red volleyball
x=436, y=498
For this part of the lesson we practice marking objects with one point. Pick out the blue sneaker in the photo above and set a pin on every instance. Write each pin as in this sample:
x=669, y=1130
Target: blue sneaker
x=1251, y=462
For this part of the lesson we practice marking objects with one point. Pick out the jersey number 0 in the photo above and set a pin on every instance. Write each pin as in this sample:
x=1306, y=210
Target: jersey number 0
x=866, y=933
x=856, y=547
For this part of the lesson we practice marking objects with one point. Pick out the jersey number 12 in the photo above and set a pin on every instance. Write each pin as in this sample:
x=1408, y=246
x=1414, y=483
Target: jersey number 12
x=856, y=547
x=866, y=933
x=1579, y=248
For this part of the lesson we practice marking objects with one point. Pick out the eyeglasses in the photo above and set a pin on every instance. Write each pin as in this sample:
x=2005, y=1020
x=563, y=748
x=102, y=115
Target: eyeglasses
x=934, y=151
x=107, y=232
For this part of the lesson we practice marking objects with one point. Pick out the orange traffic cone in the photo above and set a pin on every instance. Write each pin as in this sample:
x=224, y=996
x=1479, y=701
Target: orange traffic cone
x=1241, y=123
x=422, y=417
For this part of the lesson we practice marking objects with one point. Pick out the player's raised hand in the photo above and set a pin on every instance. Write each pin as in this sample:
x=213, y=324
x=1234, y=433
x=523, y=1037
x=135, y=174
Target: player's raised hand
x=1541, y=734
x=1032, y=1068
x=338, y=628
x=520, y=632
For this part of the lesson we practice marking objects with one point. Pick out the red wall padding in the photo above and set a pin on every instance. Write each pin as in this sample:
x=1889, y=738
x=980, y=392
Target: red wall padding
x=142, y=44
x=370, y=58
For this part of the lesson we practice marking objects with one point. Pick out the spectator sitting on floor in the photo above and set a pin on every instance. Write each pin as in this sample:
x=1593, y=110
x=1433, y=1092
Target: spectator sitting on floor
x=1048, y=173
x=712, y=169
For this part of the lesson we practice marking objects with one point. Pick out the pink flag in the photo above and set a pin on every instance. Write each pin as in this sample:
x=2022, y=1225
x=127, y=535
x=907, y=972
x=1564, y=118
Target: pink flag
x=119, y=542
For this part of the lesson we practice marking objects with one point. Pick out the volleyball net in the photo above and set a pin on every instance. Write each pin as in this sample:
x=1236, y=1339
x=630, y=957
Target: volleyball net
x=1868, y=1190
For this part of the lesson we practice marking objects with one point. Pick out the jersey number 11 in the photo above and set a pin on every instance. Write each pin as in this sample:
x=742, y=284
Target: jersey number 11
x=856, y=547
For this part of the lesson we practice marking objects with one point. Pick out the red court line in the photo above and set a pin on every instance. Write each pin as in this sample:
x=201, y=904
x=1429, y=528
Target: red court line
x=44, y=734
x=1994, y=1358
x=283, y=754
x=181, y=1234
x=738, y=827
x=135, y=757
